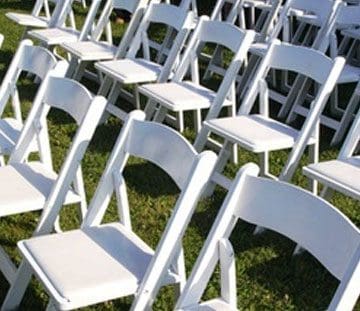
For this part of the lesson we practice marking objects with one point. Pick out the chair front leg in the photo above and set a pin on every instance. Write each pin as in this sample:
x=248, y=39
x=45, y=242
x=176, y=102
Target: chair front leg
x=18, y=287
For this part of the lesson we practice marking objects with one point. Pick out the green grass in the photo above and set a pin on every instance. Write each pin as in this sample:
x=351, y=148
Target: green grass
x=269, y=278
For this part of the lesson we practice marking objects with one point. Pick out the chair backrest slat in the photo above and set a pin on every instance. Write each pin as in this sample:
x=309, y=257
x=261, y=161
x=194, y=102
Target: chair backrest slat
x=308, y=220
x=159, y=145
x=221, y=33
x=36, y=60
x=302, y=60
x=56, y=96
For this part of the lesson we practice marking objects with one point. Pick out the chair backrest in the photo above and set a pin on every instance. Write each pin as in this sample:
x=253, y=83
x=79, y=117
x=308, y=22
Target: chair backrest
x=348, y=16
x=131, y=6
x=324, y=10
x=290, y=211
x=222, y=34
x=89, y=20
x=171, y=152
x=311, y=64
x=32, y=59
x=236, y=12
x=351, y=143
x=62, y=10
x=40, y=5
x=172, y=17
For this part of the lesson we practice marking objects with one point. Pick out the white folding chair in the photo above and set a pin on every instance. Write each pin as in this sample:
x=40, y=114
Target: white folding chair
x=342, y=174
x=85, y=52
x=61, y=11
x=31, y=59
x=259, y=132
x=334, y=241
x=346, y=17
x=1, y=40
x=137, y=69
x=51, y=37
x=34, y=185
x=181, y=95
x=261, y=19
x=121, y=262
x=315, y=36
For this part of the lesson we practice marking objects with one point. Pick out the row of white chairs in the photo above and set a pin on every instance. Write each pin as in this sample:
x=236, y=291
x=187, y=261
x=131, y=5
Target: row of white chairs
x=323, y=16
x=64, y=290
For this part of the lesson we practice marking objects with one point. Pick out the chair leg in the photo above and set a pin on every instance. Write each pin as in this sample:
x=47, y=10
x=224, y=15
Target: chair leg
x=160, y=115
x=223, y=158
x=57, y=226
x=79, y=72
x=80, y=190
x=264, y=164
x=180, y=270
x=7, y=267
x=150, y=109
x=313, y=158
x=137, y=97
x=345, y=120
x=2, y=160
x=74, y=63
x=51, y=306
x=197, y=120
x=18, y=287
x=326, y=193
x=181, y=125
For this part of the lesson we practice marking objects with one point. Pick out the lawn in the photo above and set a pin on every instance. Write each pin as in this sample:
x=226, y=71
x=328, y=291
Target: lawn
x=269, y=277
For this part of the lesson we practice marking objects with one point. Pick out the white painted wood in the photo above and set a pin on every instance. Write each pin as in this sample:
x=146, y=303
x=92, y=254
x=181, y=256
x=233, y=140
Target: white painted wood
x=180, y=95
x=93, y=49
x=57, y=35
x=137, y=269
x=31, y=59
x=292, y=212
x=61, y=12
x=137, y=70
x=343, y=173
x=259, y=133
x=40, y=186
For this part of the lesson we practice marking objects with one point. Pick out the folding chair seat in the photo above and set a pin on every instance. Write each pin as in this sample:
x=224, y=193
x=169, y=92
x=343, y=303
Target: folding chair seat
x=42, y=188
x=53, y=36
x=121, y=262
x=289, y=211
x=31, y=59
x=260, y=132
x=137, y=69
x=181, y=95
x=62, y=10
x=85, y=52
x=343, y=173
x=257, y=133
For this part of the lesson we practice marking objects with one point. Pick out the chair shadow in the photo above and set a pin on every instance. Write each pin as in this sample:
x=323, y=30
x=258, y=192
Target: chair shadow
x=302, y=279
x=149, y=180
x=16, y=5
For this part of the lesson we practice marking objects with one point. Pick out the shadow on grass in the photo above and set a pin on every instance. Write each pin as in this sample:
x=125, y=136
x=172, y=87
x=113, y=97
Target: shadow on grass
x=147, y=179
x=16, y=5
x=301, y=279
